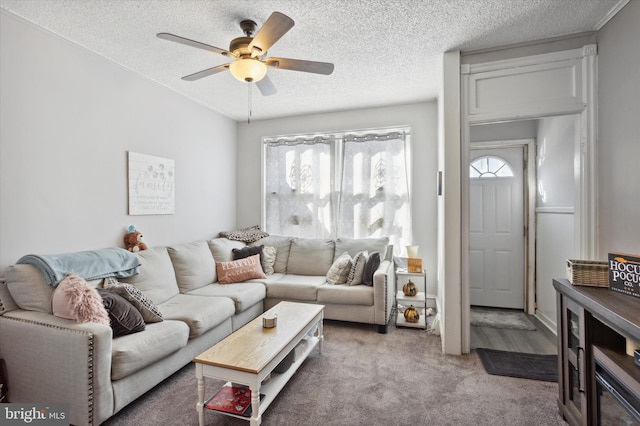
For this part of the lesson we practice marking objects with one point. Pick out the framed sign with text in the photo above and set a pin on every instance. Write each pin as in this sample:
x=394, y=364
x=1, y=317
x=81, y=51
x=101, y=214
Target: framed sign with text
x=151, y=184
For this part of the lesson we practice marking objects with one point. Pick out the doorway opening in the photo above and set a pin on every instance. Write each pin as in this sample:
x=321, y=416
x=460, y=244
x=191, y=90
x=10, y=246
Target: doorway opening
x=501, y=224
x=551, y=157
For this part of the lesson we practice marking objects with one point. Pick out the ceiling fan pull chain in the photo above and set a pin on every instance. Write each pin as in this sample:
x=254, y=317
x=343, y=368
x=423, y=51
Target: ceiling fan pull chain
x=249, y=104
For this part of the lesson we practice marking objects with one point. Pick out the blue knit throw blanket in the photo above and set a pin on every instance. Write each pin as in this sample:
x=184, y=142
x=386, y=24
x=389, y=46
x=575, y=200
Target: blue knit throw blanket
x=90, y=265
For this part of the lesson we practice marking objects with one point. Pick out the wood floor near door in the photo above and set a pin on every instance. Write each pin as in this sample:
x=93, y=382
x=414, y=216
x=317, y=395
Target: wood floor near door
x=541, y=341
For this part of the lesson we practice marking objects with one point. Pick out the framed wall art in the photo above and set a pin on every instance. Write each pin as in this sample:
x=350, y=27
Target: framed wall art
x=151, y=184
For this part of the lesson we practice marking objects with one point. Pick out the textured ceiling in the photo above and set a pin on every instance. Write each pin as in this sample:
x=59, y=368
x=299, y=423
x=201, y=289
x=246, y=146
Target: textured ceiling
x=385, y=51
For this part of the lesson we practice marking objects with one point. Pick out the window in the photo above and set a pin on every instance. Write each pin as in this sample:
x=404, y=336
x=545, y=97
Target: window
x=341, y=185
x=490, y=167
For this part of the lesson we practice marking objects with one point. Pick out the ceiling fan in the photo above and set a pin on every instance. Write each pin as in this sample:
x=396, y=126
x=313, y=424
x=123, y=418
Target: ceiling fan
x=249, y=53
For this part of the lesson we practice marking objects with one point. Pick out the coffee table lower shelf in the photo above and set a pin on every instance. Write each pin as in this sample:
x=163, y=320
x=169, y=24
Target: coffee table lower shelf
x=276, y=382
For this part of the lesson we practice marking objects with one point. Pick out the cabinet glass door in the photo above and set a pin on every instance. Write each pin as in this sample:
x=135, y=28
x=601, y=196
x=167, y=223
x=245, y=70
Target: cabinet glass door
x=574, y=358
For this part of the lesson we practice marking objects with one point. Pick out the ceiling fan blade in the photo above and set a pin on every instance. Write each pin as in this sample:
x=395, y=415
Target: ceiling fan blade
x=205, y=73
x=192, y=43
x=325, y=68
x=273, y=29
x=266, y=87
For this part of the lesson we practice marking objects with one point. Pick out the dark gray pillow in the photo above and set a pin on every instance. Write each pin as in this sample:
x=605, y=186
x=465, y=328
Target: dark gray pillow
x=372, y=265
x=125, y=318
x=241, y=253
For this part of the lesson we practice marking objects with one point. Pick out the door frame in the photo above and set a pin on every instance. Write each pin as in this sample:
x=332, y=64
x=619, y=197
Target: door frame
x=583, y=101
x=529, y=157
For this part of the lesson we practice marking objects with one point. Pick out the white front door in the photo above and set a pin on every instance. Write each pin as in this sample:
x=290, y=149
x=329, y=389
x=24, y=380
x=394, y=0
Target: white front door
x=496, y=252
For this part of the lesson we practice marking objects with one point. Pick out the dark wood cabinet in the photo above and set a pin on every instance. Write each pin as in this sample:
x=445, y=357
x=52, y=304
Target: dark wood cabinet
x=593, y=327
x=572, y=362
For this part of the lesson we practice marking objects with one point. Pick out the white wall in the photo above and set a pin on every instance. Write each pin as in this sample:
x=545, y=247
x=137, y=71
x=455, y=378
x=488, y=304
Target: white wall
x=525, y=129
x=422, y=117
x=555, y=204
x=453, y=304
x=555, y=171
x=619, y=132
x=68, y=118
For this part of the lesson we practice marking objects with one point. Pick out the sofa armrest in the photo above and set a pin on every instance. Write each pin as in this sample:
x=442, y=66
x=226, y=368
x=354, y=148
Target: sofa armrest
x=384, y=279
x=51, y=359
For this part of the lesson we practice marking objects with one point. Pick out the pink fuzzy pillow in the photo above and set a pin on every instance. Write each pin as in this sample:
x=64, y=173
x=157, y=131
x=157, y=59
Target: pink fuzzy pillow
x=75, y=299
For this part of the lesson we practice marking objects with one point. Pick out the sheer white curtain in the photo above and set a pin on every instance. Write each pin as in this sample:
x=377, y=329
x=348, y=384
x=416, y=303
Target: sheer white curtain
x=298, y=187
x=374, y=195
x=353, y=186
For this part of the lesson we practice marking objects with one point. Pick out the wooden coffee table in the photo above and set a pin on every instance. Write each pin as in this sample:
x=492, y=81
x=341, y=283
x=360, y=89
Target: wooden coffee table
x=249, y=355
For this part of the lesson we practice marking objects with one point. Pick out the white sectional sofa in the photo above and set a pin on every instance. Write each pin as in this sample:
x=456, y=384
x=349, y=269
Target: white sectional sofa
x=52, y=359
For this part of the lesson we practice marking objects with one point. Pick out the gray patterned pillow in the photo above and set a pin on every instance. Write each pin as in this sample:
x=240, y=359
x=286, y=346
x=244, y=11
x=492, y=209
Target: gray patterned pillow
x=247, y=235
x=148, y=309
x=357, y=268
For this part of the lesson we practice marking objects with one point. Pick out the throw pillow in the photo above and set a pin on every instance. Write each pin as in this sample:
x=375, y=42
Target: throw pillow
x=75, y=299
x=269, y=259
x=149, y=311
x=239, y=270
x=339, y=270
x=241, y=253
x=248, y=235
x=373, y=262
x=125, y=318
x=357, y=268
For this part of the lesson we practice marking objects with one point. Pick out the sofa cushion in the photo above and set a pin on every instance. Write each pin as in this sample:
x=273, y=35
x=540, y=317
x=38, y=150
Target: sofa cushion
x=29, y=288
x=339, y=270
x=355, y=245
x=125, y=318
x=244, y=295
x=200, y=313
x=74, y=299
x=310, y=256
x=283, y=248
x=7, y=303
x=148, y=309
x=294, y=287
x=136, y=351
x=240, y=270
x=221, y=248
x=194, y=265
x=346, y=295
x=157, y=278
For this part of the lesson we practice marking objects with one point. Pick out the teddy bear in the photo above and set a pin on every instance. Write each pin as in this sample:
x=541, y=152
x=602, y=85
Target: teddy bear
x=133, y=240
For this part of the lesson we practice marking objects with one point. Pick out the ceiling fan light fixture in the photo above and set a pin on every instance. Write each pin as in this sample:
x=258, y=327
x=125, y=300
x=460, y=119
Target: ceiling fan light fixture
x=248, y=69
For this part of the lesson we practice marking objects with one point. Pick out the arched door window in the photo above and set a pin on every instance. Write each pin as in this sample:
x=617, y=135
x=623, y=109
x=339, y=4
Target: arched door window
x=489, y=167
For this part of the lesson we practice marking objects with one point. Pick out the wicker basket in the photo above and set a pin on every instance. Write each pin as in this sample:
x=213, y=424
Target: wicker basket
x=592, y=273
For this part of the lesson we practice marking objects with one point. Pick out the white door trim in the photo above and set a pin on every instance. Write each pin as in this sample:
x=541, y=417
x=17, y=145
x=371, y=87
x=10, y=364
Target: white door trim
x=529, y=210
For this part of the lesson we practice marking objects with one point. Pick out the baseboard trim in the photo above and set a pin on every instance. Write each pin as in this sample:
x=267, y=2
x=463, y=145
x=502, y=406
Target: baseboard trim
x=548, y=323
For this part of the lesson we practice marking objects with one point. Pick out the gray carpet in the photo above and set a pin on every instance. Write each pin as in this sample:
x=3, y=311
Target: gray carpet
x=500, y=318
x=367, y=378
